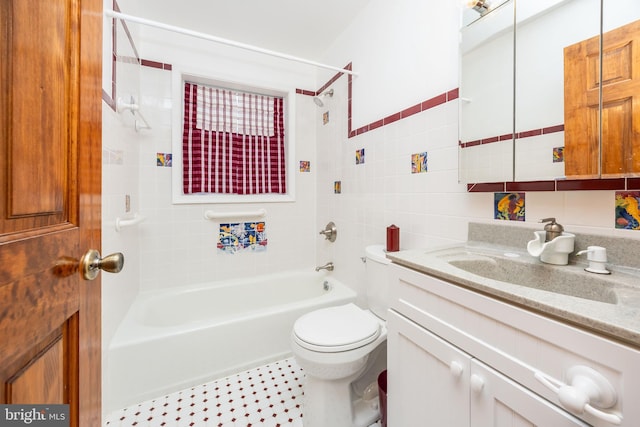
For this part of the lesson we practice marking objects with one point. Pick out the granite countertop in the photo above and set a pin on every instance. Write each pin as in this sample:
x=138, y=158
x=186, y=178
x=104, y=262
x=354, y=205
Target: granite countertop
x=607, y=304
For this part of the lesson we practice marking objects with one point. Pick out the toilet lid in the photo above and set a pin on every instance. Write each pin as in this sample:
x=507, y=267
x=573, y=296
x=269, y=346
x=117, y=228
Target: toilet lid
x=335, y=329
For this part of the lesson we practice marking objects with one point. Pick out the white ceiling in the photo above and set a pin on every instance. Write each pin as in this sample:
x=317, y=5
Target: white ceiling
x=302, y=28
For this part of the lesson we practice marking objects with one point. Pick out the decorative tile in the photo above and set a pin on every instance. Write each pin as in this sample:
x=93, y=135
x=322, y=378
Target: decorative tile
x=163, y=159
x=242, y=236
x=305, y=166
x=325, y=117
x=628, y=210
x=337, y=187
x=558, y=154
x=509, y=206
x=360, y=156
x=419, y=162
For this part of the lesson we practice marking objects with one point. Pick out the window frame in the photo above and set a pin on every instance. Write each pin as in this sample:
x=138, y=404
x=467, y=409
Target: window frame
x=177, y=195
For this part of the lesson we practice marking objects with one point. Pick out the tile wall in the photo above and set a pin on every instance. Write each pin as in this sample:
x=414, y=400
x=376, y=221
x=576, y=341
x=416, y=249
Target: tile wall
x=431, y=208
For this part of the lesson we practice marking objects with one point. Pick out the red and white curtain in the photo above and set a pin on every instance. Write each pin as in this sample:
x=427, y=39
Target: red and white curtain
x=232, y=142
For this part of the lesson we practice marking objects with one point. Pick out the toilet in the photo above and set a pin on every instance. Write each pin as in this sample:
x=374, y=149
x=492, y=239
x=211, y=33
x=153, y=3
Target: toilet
x=342, y=350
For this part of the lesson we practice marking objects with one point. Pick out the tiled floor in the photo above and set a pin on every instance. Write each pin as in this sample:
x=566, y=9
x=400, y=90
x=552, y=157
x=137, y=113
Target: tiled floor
x=267, y=396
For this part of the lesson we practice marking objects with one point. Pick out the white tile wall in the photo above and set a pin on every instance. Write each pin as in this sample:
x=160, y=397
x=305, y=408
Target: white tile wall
x=431, y=208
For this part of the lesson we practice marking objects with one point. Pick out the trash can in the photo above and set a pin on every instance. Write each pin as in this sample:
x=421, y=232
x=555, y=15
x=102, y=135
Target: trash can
x=382, y=395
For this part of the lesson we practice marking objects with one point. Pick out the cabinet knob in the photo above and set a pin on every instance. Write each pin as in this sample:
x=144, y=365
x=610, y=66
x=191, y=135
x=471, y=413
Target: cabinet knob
x=477, y=383
x=456, y=369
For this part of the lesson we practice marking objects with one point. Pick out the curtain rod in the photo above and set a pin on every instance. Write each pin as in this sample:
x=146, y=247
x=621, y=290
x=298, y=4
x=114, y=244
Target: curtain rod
x=227, y=42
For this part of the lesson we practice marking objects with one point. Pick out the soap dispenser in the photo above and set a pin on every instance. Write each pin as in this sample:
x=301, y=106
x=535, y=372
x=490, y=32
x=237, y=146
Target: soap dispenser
x=552, y=229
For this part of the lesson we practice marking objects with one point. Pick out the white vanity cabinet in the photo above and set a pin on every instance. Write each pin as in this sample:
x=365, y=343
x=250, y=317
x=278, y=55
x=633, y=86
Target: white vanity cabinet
x=431, y=375
x=459, y=358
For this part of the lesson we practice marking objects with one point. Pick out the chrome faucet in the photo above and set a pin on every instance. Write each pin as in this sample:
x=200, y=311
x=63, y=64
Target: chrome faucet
x=328, y=266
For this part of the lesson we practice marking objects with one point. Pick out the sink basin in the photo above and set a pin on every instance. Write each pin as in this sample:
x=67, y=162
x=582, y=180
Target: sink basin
x=526, y=271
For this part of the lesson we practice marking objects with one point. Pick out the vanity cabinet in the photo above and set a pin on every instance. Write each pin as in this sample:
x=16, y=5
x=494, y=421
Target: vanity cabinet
x=460, y=358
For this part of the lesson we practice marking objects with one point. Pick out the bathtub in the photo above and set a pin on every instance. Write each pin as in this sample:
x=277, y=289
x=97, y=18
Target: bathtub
x=185, y=336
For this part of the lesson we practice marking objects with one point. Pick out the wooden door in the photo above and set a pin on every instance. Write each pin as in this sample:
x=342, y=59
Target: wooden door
x=614, y=152
x=50, y=178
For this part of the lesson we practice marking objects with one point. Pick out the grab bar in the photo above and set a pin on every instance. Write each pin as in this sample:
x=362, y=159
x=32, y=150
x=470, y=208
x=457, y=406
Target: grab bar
x=259, y=213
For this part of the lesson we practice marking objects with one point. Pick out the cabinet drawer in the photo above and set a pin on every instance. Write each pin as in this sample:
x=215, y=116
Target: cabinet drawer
x=515, y=341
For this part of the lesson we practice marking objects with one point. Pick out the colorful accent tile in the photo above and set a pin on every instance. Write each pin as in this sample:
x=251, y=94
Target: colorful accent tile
x=305, y=166
x=242, y=236
x=509, y=206
x=558, y=154
x=163, y=159
x=337, y=187
x=325, y=117
x=628, y=210
x=360, y=156
x=419, y=162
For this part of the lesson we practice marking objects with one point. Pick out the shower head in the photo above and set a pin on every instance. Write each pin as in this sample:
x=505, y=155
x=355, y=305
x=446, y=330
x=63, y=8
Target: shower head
x=318, y=98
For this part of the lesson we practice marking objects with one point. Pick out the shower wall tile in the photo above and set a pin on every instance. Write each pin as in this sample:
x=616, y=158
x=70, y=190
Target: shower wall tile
x=178, y=245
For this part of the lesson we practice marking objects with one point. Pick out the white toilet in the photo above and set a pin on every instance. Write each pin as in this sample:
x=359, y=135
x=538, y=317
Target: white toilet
x=342, y=350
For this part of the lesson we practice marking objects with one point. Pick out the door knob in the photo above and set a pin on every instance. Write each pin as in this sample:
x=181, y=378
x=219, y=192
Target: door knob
x=91, y=263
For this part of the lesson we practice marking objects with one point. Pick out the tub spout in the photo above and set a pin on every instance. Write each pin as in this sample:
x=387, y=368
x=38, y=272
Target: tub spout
x=328, y=266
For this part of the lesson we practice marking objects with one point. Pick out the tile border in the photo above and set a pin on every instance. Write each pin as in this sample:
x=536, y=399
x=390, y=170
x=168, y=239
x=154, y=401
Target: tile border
x=618, y=184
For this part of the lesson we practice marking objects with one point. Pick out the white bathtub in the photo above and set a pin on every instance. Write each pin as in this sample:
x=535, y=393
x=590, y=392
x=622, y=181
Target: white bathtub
x=182, y=337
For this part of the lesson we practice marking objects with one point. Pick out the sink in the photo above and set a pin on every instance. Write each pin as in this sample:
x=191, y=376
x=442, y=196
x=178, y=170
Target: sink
x=526, y=271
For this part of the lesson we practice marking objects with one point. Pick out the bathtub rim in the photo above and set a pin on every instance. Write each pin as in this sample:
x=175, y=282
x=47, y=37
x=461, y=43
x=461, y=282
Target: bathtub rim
x=131, y=330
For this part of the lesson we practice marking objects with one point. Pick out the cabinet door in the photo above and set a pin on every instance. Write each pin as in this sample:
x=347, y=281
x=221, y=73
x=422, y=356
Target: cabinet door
x=497, y=401
x=428, y=378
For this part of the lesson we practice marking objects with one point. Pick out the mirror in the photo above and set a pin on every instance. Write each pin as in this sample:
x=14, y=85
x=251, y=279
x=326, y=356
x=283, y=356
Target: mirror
x=531, y=46
x=486, y=95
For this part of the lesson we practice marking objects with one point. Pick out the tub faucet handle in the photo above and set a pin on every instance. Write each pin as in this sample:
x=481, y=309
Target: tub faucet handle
x=330, y=232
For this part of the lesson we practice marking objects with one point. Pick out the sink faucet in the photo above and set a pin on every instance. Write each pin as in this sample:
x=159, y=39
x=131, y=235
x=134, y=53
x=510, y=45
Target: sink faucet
x=553, y=245
x=552, y=229
x=328, y=266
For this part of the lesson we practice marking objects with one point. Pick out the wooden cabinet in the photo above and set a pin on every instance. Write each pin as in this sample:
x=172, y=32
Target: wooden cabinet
x=602, y=124
x=458, y=358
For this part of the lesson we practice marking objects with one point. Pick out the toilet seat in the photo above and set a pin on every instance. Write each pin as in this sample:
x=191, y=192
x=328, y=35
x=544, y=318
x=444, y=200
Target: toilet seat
x=336, y=329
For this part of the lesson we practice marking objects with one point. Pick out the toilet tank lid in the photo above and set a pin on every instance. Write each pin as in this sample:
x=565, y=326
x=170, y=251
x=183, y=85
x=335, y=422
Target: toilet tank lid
x=377, y=253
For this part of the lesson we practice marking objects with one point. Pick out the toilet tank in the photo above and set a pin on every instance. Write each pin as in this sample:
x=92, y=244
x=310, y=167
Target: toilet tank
x=376, y=280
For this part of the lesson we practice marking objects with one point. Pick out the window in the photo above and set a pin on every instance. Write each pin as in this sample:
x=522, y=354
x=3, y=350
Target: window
x=233, y=142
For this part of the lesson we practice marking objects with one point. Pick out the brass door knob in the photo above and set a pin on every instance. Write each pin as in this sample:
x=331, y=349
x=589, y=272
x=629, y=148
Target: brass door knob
x=91, y=263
